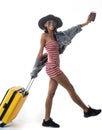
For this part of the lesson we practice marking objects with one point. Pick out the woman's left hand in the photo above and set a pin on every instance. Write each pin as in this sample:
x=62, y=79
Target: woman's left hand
x=91, y=17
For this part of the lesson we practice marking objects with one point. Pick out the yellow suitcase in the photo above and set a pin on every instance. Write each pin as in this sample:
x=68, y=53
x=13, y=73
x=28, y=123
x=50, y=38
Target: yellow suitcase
x=12, y=103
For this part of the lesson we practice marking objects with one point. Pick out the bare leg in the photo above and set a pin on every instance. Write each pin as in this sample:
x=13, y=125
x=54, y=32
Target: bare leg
x=63, y=80
x=51, y=91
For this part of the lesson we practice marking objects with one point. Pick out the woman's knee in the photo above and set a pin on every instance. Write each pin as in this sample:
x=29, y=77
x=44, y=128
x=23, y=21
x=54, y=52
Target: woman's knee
x=51, y=94
x=64, y=81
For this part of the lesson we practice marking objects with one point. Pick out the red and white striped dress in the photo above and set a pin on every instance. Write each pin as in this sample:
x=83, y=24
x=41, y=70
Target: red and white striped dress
x=53, y=62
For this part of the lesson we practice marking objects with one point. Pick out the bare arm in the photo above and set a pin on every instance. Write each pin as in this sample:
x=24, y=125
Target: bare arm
x=42, y=44
x=36, y=69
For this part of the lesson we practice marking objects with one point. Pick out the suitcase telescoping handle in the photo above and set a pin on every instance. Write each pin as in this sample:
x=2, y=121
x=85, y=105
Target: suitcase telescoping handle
x=29, y=85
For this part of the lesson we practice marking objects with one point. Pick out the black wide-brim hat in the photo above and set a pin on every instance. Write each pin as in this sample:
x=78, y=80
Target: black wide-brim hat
x=43, y=20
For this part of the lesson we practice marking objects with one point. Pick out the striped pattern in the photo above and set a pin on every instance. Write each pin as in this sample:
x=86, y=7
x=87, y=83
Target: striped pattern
x=53, y=63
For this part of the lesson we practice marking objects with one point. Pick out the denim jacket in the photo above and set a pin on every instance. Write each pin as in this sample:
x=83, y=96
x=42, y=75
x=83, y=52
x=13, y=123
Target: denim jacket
x=64, y=38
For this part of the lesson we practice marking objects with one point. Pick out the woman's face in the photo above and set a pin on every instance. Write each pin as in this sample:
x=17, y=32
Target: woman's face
x=50, y=25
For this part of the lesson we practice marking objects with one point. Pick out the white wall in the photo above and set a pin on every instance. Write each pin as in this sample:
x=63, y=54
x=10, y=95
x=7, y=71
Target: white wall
x=81, y=61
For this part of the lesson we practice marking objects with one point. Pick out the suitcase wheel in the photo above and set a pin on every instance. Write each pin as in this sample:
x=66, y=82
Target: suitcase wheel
x=2, y=124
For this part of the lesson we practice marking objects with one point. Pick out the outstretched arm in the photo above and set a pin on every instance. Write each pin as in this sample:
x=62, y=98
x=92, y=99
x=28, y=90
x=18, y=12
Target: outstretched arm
x=70, y=33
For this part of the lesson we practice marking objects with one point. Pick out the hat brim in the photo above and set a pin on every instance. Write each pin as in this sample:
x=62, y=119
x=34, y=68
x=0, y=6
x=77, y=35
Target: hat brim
x=43, y=20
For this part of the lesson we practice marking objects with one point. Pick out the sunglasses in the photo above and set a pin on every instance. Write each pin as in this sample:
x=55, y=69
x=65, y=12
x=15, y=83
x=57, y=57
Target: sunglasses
x=51, y=23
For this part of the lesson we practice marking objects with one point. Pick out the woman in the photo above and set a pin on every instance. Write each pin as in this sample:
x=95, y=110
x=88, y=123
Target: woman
x=50, y=24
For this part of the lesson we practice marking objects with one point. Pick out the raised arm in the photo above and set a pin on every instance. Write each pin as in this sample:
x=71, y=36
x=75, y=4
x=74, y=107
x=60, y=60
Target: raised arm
x=64, y=38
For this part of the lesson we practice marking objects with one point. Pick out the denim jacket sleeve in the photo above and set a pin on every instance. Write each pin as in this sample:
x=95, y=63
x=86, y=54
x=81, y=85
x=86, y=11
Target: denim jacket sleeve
x=64, y=38
x=36, y=69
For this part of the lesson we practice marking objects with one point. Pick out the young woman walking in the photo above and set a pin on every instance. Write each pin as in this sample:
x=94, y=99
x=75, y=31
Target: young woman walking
x=49, y=41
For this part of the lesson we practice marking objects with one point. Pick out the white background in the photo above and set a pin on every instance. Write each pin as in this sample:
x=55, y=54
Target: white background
x=81, y=61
